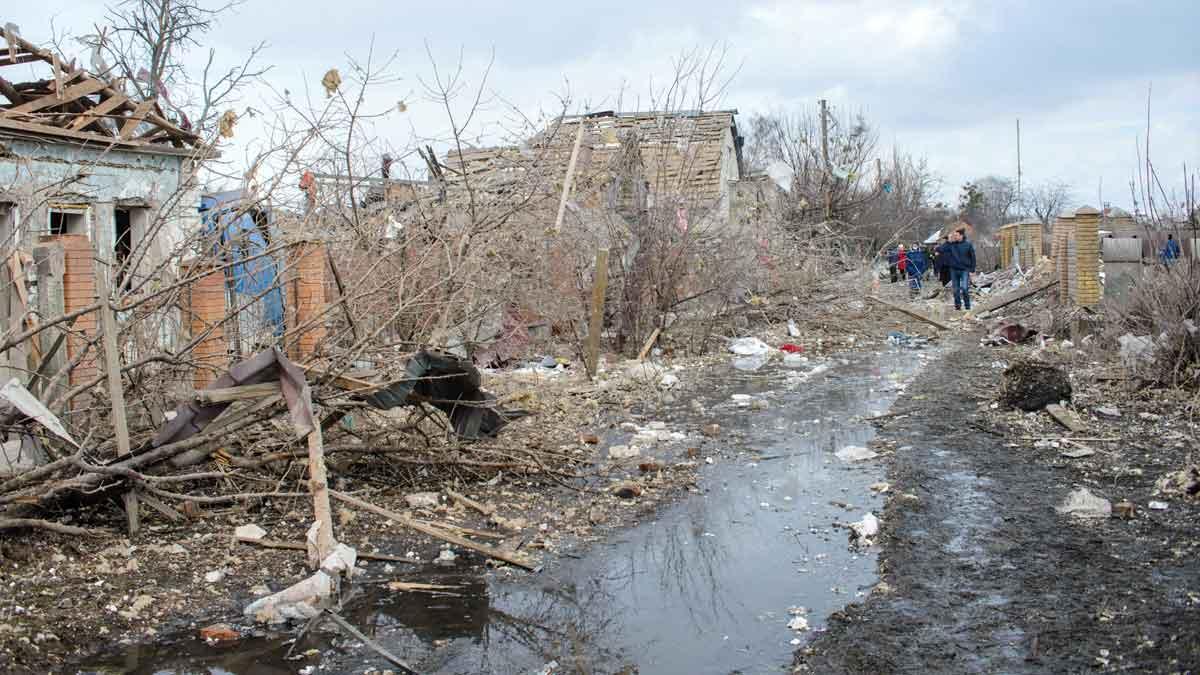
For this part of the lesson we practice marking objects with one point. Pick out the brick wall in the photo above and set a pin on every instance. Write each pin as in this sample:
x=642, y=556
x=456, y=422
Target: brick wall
x=79, y=291
x=306, y=284
x=203, y=308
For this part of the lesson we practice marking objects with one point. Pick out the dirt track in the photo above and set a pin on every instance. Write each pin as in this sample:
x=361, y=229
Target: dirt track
x=980, y=574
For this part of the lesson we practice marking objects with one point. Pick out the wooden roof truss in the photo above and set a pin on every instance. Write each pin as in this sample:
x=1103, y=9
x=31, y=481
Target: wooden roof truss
x=73, y=104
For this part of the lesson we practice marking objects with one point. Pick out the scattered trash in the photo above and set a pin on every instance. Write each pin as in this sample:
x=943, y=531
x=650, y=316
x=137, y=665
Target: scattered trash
x=1157, y=506
x=547, y=669
x=1009, y=334
x=880, y=487
x=791, y=348
x=867, y=528
x=1186, y=481
x=1110, y=412
x=1081, y=503
x=306, y=599
x=793, y=329
x=623, y=451
x=898, y=339
x=423, y=500
x=215, y=576
x=749, y=346
x=446, y=556
x=668, y=381
x=794, y=360
x=855, y=453
x=219, y=633
x=1078, y=453
x=1032, y=386
x=1135, y=349
x=1124, y=509
x=627, y=490
x=711, y=430
x=798, y=623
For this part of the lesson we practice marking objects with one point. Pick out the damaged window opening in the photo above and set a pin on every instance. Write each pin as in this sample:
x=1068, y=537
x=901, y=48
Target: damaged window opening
x=68, y=221
x=122, y=246
x=8, y=218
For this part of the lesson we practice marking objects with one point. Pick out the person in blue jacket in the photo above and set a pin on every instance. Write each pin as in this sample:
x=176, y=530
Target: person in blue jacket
x=958, y=255
x=1170, y=251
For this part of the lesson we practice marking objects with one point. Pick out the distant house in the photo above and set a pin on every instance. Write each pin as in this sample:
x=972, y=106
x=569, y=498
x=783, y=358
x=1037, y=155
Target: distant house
x=685, y=159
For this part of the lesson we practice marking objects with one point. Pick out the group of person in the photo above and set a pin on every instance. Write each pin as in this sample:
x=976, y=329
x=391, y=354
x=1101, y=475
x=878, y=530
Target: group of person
x=953, y=262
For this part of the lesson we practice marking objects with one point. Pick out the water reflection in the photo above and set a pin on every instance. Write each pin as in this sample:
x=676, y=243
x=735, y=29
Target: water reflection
x=702, y=588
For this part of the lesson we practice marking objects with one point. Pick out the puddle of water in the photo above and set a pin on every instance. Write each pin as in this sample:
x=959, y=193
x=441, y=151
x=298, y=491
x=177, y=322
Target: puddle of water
x=705, y=587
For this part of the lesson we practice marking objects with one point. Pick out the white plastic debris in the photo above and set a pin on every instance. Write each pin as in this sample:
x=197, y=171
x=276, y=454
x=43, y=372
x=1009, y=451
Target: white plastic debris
x=1081, y=503
x=668, y=381
x=306, y=599
x=749, y=346
x=1157, y=506
x=855, y=453
x=623, y=451
x=1135, y=348
x=215, y=576
x=751, y=363
x=798, y=623
x=446, y=557
x=866, y=528
x=793, y=329
x=422, y=500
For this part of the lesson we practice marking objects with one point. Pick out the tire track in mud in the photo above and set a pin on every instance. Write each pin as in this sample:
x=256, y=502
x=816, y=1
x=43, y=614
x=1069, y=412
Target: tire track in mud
x=981, y=575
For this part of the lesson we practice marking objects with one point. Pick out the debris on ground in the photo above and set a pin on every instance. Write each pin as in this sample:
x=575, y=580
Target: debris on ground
x=855, y=453
x=1081, y=503
x=1032, y=386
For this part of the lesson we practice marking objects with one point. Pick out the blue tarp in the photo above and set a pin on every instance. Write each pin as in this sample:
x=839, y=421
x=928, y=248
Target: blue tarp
x=243, y=239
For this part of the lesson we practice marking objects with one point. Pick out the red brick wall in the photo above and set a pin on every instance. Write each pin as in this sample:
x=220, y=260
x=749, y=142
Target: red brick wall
x=79, y=291
x=204, y=307
x=306, y=299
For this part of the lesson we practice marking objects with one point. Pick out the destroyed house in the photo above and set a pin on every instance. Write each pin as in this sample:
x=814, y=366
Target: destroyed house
x=685, y=159
x=90, y=176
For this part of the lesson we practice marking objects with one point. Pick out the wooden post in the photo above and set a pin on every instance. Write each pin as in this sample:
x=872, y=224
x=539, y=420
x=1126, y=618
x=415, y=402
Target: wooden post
x=596, y=325
x=566, y=191
x=318, y=486
x=112, y=370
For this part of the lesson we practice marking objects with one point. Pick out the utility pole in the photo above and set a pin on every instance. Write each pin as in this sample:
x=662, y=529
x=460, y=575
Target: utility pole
x=827, y=175
x=1019, y=162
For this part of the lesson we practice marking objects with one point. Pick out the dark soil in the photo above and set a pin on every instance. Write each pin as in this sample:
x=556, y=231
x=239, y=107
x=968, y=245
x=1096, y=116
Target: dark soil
x=980, y=574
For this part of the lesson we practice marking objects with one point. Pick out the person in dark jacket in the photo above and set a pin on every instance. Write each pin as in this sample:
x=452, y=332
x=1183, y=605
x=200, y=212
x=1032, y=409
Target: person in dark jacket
x=1170, y=251
x=939, y=263
x=959, y=256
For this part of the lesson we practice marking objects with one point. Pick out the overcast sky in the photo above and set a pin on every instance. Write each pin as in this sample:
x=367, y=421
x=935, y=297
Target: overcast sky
x=944, y=80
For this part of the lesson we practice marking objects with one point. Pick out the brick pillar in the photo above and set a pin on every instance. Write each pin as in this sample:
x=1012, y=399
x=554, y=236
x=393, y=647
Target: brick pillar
x=204, y=308
x=1064, y=231
x=79, y=291
x=306, y=300
x=1030, y=237
x=1087, y=256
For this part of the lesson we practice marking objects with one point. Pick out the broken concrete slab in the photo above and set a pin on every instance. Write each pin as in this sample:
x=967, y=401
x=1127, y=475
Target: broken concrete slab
x=1081, y=503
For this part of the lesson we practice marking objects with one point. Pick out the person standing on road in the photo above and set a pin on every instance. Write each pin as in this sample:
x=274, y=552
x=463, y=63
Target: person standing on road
x=943, y=272
x=959, y=256
x=902, y=262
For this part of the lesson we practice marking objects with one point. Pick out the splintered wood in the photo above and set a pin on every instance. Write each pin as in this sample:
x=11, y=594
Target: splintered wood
x=436, y=532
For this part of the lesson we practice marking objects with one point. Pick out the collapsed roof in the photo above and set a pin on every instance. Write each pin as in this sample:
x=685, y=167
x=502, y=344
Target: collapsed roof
x=75, y=105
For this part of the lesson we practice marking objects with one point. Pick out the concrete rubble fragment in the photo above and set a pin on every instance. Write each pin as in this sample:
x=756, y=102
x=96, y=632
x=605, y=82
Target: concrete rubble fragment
x=249, y=533
x=422, y=500
x=1081, y=503
x=855, y=453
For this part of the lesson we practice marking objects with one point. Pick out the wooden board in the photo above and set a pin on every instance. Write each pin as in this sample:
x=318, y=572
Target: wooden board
x=914, y=314
x=1066, y=418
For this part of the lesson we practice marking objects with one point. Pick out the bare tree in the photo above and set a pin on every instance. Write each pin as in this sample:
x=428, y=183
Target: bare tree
x=1046, y=201
x=145, y=43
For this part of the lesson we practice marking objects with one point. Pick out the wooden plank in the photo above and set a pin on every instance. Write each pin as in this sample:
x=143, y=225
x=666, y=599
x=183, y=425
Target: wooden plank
x=596, y=323
x=649, y=343
x=19, y=59
x=103, y=108
x=34, y=128
x=467, y=501
x=570, y=177
x=298, y=546
x=436, y=532
x=909, y=312
x=112, y=370
x=1016, y=298
x=135, y=118
x=70, y=94
x=1066, y=418
x=318, y=487
x=242, y=393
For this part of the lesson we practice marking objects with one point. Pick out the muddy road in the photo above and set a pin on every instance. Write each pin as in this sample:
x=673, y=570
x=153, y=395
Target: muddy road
x=707, y=584
x=981, y=575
